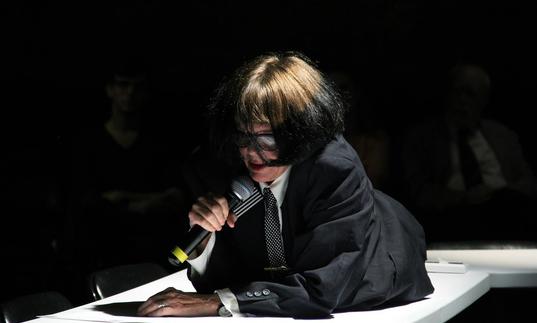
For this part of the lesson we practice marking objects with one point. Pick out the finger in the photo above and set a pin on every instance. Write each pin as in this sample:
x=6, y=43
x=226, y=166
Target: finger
x=196, y=218
x=147, y=307
x=224, y=206
x=155, y=309
x=183, y=304
x=166, y=292
x=231, y=219
x=217, y=205
x=210, y=207
x=163, y=303
x=176, y=309
x=151, y=304
x=164, y=311
x=161, y=297
x=204, y=211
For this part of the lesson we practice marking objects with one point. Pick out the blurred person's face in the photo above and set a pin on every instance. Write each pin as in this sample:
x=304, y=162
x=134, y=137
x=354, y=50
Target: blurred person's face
x=257, y=147
x=466, y=100
x=128, y=94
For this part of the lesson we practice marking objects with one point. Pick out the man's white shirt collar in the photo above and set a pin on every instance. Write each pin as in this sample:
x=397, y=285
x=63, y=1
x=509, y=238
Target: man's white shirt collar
x=278, y=186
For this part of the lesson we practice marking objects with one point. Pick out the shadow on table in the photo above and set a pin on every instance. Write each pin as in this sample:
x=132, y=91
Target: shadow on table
x=119, y=309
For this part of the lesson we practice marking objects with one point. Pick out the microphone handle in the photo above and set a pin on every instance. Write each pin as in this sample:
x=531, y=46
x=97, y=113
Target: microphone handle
x=193, y=238
x=196, y=234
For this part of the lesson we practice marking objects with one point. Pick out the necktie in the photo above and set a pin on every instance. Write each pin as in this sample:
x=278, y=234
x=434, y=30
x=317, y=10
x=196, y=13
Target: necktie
x=468, y=162
x=273, y=236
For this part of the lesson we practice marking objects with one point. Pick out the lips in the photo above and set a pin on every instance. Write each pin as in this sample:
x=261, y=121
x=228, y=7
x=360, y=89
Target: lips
x=256, y=166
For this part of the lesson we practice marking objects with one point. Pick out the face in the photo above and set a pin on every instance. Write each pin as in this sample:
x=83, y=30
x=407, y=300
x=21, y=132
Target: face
x=255, y=161
x=127, y=94
x=466, y=101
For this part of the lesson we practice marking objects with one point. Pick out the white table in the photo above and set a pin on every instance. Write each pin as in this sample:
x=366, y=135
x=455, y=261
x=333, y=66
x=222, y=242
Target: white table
x=508, y=268
x=453, y=293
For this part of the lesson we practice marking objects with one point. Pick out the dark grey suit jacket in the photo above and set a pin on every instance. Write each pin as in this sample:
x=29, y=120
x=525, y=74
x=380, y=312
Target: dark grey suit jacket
x=427, y=163
x=348, y=246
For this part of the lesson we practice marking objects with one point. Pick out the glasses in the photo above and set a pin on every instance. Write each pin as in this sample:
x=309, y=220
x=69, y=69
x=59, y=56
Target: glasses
x=263, y=141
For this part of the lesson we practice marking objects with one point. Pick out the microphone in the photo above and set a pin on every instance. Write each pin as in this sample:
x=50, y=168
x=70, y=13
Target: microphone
x=241, y=198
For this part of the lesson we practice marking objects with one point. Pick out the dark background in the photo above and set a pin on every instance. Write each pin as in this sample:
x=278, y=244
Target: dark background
x=55, y=57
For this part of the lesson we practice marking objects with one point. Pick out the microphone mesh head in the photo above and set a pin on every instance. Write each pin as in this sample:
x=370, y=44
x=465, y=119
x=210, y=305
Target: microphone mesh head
x=242, y=187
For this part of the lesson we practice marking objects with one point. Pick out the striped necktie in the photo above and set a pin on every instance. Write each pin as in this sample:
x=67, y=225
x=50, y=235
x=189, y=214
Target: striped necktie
x=468, y=162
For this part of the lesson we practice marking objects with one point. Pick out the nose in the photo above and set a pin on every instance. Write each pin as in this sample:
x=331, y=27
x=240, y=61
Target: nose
x=251, y=151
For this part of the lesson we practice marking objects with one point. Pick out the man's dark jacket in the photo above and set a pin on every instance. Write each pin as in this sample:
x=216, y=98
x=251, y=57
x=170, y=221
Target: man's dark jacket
x=348, y=246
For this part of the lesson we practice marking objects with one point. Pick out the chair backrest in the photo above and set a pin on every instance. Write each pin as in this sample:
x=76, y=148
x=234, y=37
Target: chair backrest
x=117, y=279
x=28, y=307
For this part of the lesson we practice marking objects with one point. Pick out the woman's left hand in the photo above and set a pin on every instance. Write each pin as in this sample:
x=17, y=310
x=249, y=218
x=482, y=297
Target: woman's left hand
x=173, y=302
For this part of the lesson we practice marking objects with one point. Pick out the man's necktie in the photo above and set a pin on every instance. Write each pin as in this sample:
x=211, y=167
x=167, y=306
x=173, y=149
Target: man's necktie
x=273, y=236
x=468, y=163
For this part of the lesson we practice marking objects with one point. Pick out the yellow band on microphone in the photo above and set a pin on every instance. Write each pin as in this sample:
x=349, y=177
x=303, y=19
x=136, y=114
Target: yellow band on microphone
x=179, y=254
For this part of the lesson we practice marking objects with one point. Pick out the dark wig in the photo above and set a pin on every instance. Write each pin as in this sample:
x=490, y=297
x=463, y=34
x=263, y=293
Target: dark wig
x=285, y=90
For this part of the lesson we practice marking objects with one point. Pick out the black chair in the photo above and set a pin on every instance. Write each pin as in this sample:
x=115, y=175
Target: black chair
x=117, y=279
x=28, y=307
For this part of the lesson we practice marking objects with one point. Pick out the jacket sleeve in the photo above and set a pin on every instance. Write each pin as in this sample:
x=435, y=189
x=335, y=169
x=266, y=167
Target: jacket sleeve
x=339, y=256
x=341, y=261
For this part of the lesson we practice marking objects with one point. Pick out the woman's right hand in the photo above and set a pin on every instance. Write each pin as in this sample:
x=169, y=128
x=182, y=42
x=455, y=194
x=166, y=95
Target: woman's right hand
x=211, y=212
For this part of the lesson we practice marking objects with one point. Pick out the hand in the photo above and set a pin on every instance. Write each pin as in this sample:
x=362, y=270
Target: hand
x=173, y=302
x=211, y=213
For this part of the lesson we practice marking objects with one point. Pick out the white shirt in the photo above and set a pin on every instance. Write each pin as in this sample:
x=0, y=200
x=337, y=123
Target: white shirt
x=199, y=264
x=489, y=166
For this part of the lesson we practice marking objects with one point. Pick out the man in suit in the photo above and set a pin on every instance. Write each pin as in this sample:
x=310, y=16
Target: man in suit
x=324, y=240
x=465, y=173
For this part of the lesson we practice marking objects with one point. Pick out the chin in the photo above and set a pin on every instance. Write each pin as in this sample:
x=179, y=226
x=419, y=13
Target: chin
x=260, y=178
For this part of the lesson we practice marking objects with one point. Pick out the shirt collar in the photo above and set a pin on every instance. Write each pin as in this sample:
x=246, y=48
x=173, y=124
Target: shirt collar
x=278, y=186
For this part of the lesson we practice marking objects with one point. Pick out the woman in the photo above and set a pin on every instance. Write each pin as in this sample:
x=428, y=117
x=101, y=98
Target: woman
x=344, y=245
